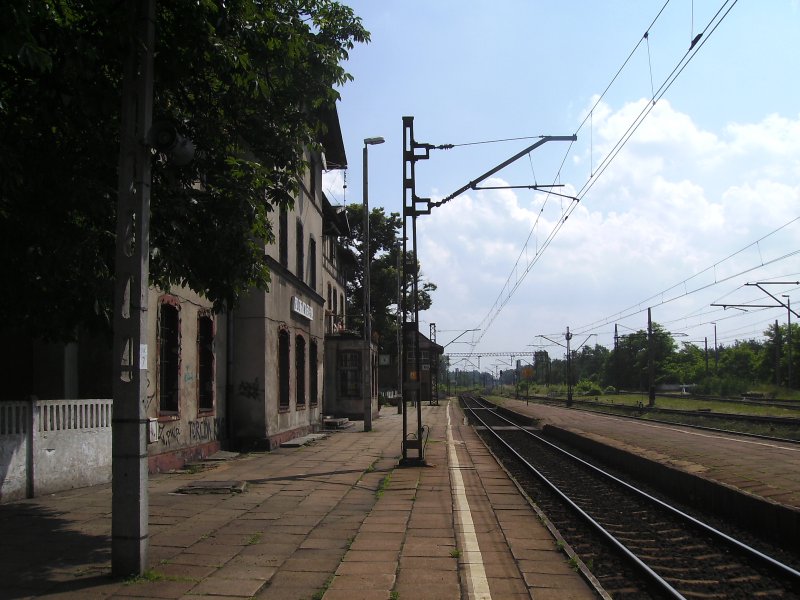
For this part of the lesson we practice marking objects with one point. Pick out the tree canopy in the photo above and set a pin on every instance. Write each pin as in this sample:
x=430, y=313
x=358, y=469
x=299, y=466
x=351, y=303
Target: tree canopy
x=384, y=277
x=733, y=369
x=247, y=80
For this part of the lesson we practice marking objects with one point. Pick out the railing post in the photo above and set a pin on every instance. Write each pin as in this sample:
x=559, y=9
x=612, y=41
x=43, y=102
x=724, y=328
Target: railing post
x=31, y=425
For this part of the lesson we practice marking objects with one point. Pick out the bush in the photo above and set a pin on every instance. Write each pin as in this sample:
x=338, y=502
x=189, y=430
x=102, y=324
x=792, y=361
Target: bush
x=722, y=386
x=587, y=388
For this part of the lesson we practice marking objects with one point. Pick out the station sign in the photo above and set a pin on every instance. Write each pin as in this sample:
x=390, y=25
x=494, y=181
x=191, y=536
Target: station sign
x=304, y=309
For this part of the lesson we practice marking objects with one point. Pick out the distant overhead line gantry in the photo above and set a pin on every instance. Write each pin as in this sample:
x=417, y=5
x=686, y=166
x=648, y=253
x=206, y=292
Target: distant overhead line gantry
x=481, y=354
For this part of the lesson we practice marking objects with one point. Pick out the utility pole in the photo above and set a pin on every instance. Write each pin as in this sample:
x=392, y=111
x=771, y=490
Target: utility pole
x=777, y=354
x=414, y=206
x=789, y=340
x=434, y=367
x=399, y=325
x=568, y=337
x=130, y=504
x=651, y=363
x=367, y=384
x=787, y=306
x=616, y=358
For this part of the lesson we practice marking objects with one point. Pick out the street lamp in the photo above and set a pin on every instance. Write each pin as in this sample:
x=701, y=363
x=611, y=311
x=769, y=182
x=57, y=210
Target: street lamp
x=367, y=367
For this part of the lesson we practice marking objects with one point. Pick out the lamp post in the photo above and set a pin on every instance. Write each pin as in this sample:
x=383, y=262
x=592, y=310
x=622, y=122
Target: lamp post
x=367, y=366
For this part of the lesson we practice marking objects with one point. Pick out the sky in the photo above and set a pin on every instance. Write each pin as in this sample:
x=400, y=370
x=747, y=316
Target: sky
x=674, y=214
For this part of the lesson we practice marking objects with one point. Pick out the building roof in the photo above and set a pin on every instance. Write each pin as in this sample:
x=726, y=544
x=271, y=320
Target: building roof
x=331, y=140
x=426, y=343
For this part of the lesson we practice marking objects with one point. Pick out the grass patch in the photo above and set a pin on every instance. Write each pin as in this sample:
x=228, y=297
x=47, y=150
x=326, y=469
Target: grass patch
x=383, y=486
x=151, y=576
x=573, y=563
x=254, y=539
x=455, y=553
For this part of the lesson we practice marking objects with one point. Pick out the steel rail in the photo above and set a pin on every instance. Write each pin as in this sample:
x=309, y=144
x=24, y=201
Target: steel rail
x=642, y=566
x=785, y=570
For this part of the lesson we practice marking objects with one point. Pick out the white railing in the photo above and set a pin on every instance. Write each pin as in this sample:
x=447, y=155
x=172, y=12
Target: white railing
x=52, y=445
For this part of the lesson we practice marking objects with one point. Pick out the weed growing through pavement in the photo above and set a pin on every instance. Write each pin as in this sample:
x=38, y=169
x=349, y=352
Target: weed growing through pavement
x=384, y=485
x=455, y=553
x=254, y=539
x=395, y=595
x=573, y=563
x=321, y=592
x=151, y=576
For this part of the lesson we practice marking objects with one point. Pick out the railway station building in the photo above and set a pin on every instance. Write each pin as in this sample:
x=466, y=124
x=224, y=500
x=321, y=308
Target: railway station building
x=249, y=378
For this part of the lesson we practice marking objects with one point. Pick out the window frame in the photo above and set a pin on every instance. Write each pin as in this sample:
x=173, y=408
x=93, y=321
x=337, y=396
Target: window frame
x=168, y=408
x=206, y=408
x=301, y=400
x=284, y=366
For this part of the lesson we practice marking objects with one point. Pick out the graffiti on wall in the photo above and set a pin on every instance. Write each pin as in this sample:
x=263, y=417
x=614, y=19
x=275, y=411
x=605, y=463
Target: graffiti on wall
x=205, y=430
x=169, y=434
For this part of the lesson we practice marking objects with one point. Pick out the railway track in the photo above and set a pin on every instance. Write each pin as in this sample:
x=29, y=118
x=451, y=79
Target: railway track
x=635, y=544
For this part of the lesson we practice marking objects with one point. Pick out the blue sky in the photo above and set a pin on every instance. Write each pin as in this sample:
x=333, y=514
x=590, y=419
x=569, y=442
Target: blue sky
x=713, y=168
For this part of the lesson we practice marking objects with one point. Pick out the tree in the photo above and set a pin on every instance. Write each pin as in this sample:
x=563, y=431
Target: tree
x=629, y=360
x=384, y=275
x=249, y=81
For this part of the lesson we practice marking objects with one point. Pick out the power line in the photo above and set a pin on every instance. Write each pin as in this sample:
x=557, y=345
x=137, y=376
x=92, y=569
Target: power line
x=502, y=300
x=682, y=285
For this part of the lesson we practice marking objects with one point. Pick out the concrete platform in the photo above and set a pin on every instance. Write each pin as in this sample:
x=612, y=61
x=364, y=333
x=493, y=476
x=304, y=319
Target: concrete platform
x=334, y=519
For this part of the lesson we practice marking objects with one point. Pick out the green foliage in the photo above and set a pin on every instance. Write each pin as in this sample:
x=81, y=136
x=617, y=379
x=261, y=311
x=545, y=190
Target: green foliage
x=722, y=386
x=384, y=250
x=744, y=366
x=587, y=388
x=248, y=81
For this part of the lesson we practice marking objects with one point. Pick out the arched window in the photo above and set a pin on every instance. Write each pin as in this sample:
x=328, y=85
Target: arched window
x=300, y=369
x=283, y=369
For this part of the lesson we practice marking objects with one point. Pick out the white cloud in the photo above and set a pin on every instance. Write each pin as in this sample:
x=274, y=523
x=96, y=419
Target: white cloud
x=676, y=200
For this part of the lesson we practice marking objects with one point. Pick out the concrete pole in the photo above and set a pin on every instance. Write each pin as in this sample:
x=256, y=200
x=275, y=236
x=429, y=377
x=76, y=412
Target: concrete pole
x=789, y=340
x=651, y=362
x=367, y=366
x=129, y=505
x=400, y=400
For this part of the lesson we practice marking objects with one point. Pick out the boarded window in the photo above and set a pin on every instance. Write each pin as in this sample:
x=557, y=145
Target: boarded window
x=300, y=369
x=169, y=353
x=283, y=369
x=283, y=238
x=312, y=263
x=205, y=363
x=350, y=374
x=313, y=374
x=300, y=249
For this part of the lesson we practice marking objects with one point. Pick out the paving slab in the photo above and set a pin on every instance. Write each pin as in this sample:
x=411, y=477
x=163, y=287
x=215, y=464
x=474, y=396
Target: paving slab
x=337, y=516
